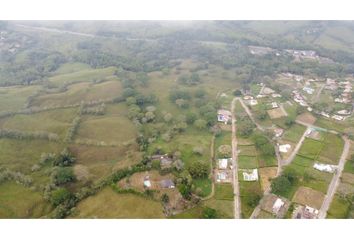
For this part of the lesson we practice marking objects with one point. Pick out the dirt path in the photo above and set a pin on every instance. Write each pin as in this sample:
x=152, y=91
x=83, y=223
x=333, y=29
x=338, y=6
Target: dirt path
x=335, y=180
x=55, y=30
x=211, y=169
x=237, y=202
x=296, y=149
x=250, y=115
x=315, y=98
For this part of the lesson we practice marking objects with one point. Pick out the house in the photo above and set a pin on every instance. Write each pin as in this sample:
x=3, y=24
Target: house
x=252, y=102
x=250, y=175
x=224, y=116
x=276, y=95
x=223, y=163
x=309, y=109
x=274, y=105
x=309, y=212
x=284, y=148
x=344, y=112
x=147, y=183
x=338, y=118
x=278, y=132
x=221, y=176
x=325, y=114
x=167, y=183
x=324, y=167
x=165, y=161
x=278, y=204
x=248, y=97
x=308, y=90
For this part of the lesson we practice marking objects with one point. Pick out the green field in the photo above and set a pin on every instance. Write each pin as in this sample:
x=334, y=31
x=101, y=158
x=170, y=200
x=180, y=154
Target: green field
x=224, y=192
x=294, y=133
x=118, y=206
x=339, y=208
x=54, y=121
x=17, y=201
x=247, y=161
x=311, y=148
x=15, y=98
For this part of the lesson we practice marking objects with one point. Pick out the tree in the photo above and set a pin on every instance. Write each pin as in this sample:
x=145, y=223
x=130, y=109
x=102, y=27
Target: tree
x=198, y=150
x=182, y=103
x=280, y=185
x=237, y=93
x=199, y=93
x=209, y=213
x=200, y=124
x=289, y=121
x=128, y=92
x=190, y=117
x=65, y=158
x=246, y=128
x=150, y=116
x=198, y=170
x=59, y=196
x=167, y=117
x=63, y=175
x=165, y=198
x=225, y=150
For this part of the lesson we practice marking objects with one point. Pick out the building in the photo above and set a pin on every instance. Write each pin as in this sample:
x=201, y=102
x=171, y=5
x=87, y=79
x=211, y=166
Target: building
x=278, y=204
x=324, y=167
x=223, y=163
x=274, y=105
x=278, y=132
x=338, y=118
x=344, y=112
x=308, y=90
x=167, y=183
x=165, y=161
x=250, y=175
x=224, y=116
x=252, y=102
x=284, y=148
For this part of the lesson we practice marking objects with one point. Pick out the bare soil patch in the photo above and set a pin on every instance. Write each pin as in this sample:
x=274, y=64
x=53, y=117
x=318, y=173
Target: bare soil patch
x=276, y=113
x=307, y=118
x=266, y=174
x=309, y=197
x=348, y=178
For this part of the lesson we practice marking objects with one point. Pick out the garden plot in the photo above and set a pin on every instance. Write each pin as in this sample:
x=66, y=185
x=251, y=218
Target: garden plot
x=276, y=113
x=250, y=194
x=266, y=174
x=306, y=118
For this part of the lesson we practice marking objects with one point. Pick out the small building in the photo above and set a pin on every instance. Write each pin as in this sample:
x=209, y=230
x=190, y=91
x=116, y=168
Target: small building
x=278, y=132
x=165, y=161
x=276, y=95
x=324, y=167
x=223, y=163
x=278, y=204
x=147, y=183
x=338, y=118
x=284, y=148
x=308, y=90
x=253, y=102
x=248, y=97
x=325, y=114
x=344, y=112
x=224, y=116
x=274, y=105
x=167, y=183
x=250, y=175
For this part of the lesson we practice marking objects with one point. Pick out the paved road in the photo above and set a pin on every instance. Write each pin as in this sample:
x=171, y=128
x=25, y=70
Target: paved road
x=296, y=149
x=237, y=202
x=335, y=180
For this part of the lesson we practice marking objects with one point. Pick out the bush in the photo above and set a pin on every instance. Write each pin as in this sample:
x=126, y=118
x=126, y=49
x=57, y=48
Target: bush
x=64, y=159
x=60, y=195
x=209, y=213
x=63, y=175
x=199, y=170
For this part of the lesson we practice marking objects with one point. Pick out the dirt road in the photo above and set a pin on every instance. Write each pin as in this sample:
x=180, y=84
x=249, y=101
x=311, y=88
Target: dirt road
x=296, y=149
x=335, y=180
x=237, y=202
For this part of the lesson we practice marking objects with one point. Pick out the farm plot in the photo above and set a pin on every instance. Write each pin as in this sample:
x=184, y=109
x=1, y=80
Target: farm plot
x=266, y=174
x=224, y=192
x=294, y=133
x=250, y=194
x=276, y=113
x=306, y=118
x=340, y=208
x=54, y=121
x=333, y=149
x=118, y=206
x=311, y=148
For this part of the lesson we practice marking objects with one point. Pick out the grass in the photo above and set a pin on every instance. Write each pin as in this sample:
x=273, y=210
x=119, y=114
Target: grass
x=20, y=155
x=247, y=161
x=223, y=139
x=332, y=150
x=109, y=204
x=247, y=188
x=87, y=75
x=55, y=121
x=267, y=161
x=83, y=91
x=349, y=167
x=14, y=98
x=310, y=148
x=294, y=133
x=329, y=124
x=204, y=185
x=249, y=150
x=71, y=67
x=17, y=201
x=110, y=129
x=339, y=208
x=224, y=192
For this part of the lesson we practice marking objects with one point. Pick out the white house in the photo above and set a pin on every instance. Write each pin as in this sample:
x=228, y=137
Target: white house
x=324, y=167
x=224, y=116
x=250, y=175
x=223, y=163
x=278, y=204
x=284, y=148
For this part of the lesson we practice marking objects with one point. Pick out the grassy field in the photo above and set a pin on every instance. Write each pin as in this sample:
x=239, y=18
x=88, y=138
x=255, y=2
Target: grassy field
x=20, y=155
x=109, y=204
x=224, y=192
x=14, y=98
x=87, y=75
x=204, y=185
x=332, y=150
x=310, y=148
x=294, y=133
x=83, y=91
x=247, y=161
x=17, y=201
x=246, y=190
x=54, y=121
x=339, y=208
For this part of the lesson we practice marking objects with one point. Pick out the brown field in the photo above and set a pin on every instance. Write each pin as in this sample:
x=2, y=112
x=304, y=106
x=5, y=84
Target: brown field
x=266, y=174
x=307, y=118
x=308, y=197
x=276, y=113
x=225, y=127
x=347, y=178
x=268, y=202
x=345, y=189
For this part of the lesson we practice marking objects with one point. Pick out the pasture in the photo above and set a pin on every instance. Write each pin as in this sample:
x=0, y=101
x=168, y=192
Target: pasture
x=15, y=98
x=109, y=204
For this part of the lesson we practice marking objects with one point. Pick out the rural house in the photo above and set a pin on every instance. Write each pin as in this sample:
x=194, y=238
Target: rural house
x=224, y=116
